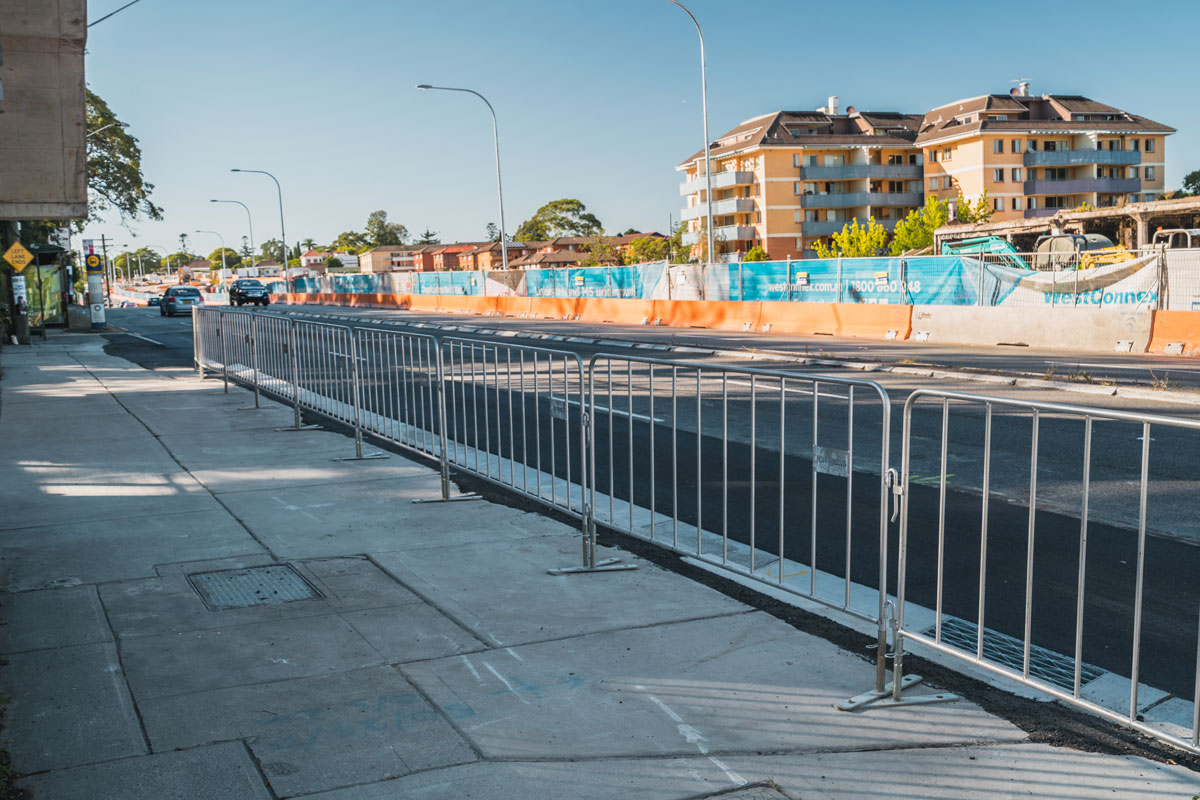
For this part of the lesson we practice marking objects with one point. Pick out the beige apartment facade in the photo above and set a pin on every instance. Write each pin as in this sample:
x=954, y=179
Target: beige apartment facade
x=785, y=180
x=1035, y=156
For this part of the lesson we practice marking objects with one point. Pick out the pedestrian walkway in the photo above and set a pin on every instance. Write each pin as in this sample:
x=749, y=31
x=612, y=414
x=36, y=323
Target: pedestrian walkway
x=197, y=605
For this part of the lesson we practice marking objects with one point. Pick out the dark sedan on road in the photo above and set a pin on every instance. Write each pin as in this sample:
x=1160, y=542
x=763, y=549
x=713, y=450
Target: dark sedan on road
x=248, y=290
x=180, y=300
x=153, y=301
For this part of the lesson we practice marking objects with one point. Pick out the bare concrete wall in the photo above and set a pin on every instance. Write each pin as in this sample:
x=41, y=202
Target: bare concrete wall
x=1094, y=329
x=43, y=158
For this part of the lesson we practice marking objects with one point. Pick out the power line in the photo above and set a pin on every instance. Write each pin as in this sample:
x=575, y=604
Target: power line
x=118, y=11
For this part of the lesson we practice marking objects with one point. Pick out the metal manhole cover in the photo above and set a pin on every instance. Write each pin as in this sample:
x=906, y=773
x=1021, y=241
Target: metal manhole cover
x=1007, y=650
x=253, y=586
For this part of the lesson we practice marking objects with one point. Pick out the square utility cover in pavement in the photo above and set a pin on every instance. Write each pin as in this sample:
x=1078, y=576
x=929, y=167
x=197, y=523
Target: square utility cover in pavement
x=253, y=586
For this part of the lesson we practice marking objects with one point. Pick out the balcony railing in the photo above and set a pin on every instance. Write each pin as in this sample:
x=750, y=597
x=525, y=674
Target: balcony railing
x=829, y=227
x=896, y=198
x=851, y=172
x=1033, y=213
x=1084, y=186
x=856, y=199
x=735, y=205
x=720, y=180
x=1070, y=158
x=725, y=233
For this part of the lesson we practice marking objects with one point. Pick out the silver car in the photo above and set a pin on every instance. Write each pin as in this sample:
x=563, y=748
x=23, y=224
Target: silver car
x=180, y=300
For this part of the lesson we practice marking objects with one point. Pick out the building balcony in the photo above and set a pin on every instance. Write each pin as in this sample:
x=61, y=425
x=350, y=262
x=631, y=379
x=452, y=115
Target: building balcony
x=1035, y=213
x=735, y=205
x=1084, y=186
x=1071, y=158
x=725, y=233
x=720, y=180
x=830, y=227
x=838, y=200
x=913, y=199
x=852, y=172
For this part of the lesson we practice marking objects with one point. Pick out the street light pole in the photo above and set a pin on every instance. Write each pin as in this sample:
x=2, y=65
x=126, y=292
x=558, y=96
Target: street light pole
x=707, y=141
x=106, y=127
x=282, y=232
x=250, y=222
x=496, y=140
x=222, y=238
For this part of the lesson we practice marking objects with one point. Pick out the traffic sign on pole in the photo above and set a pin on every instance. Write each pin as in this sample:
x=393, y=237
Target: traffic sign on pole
x=18, y=256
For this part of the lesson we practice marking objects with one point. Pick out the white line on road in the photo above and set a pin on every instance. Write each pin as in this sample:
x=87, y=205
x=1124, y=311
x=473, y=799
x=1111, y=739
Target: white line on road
x=773, y=388
x=146, y=338
x=1111, y=366
x=617, y=412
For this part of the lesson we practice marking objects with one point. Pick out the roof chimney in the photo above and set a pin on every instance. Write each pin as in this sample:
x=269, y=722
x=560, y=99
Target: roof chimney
x=832, y=108
x=1023, y=86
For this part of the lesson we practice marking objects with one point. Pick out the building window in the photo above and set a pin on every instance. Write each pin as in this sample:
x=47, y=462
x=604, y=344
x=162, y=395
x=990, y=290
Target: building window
x=1016, y=173
x=1149, y=173
x=1016, y=204
x=1033, y=144
x=998, y=204
x=797, y=188
x=1149, y=145
x=1135, y=145
x=933, y=184
x=945, y=154
x=998, y=175
x=799, y=243
x=1133, y=198
x=931, y=156
x=947, y=182
x=798, y=217
x=1148, y=197
x=1133, y=172
x=1033, y=202
x=1015, y=145
x=1056, y=202
x=795, y=159
x=997, y=145
x=1056, y=173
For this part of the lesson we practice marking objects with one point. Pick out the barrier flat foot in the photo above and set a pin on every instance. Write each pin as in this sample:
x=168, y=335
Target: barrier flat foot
x=456, y=498
x=301, y=428
x=249, y=408
x=883, y=699
x=367, y=457
x=607, y=565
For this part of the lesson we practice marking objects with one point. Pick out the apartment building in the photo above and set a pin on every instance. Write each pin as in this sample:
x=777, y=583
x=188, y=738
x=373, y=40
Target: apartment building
x=784, y=180
x=1037, y=155
x=388, y=258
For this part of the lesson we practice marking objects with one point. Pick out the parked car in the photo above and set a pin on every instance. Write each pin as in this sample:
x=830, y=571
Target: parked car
x=248, y=290
x=180, y=300
x=153, y=301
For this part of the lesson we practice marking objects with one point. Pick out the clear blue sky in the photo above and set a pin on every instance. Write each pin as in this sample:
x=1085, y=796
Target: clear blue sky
x=596, y=101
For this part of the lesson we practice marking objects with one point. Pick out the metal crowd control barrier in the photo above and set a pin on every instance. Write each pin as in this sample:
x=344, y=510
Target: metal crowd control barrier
x=1018, y=657
x=798, y=528
x=513, y=415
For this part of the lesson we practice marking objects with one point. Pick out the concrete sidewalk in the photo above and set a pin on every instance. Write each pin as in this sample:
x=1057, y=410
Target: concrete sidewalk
x=435, y=659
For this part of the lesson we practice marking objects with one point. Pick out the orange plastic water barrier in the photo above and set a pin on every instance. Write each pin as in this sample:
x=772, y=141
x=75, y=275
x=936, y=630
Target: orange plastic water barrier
x=858, y=320
x=554, y=307
x=1175, y=327
x=622, y=312
x=724, y=315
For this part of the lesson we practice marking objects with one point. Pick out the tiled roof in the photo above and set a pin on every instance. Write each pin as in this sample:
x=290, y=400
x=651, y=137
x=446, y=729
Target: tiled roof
x=1044, y=113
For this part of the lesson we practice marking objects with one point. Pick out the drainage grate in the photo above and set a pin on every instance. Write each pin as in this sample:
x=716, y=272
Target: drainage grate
x=1008, y=651
x=254, y=586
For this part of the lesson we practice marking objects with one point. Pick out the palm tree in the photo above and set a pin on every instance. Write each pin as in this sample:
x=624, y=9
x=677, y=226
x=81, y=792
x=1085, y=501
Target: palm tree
x=309, y=244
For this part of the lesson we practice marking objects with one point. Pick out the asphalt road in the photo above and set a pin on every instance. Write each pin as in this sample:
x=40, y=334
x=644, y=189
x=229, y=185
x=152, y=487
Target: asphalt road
x=700, y=455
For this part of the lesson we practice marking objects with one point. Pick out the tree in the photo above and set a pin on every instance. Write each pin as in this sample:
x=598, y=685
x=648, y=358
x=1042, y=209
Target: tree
x=1191, y=182
x=245, y=251
x=381, y=233
x=756, y=253
x=855, y=241
x=600, y=250
x=178, y=260
x=915, y=231
x=677, y=251
x=333, y=262
x=272, y=250
x=567, y=217
x=429, y=237
x=980, y=212
x=232, y=259
x=127, y=262
x=646, y=249
x=183, y=243
x=492, y=232
x=114, y=167
x=349, y=242
x=630, y=232
x=309, y=244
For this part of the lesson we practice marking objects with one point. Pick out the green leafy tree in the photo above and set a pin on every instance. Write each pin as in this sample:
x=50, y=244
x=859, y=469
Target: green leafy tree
x=1191, y=182
x=629, y=232
x=178, y=260
x=756, y=253
x=677, y=251
x=649, y=249
x=429, y=237
x=333, y=263
x=854, y=241
x=566, y=217
x=600, y=250
x=245, y=251
x=492, y=232
x=114, y=167
x=271, y=250
x=308, y=244
x=127, y=263
x=349, y=242
x=381, y=233
x=915, y=231
x=232, y=259
x=981, y=211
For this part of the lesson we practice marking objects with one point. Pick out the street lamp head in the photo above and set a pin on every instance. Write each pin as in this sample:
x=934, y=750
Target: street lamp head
x=214, y=201
x=235, y=170
x=424, y=86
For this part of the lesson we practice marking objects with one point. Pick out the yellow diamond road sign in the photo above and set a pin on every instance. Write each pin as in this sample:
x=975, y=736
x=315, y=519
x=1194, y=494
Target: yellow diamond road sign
x=18, y=256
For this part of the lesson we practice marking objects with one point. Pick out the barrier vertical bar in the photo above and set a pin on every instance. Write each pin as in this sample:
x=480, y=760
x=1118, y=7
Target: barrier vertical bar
x=983, y=528
x=197, y=350
x=1083, y=531
x=1141, y=570
x=254, y=357
x=1031, y=543
x=224, y=355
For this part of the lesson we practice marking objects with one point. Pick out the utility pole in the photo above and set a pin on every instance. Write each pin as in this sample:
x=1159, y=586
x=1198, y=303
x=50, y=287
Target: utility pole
x=107, y=269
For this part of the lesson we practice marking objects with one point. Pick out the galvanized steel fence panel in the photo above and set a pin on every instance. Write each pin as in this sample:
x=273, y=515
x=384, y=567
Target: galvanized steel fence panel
x=1017, y=654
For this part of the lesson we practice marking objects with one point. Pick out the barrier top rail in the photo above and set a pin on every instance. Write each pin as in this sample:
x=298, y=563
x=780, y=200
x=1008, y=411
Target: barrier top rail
x=1064, y=408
